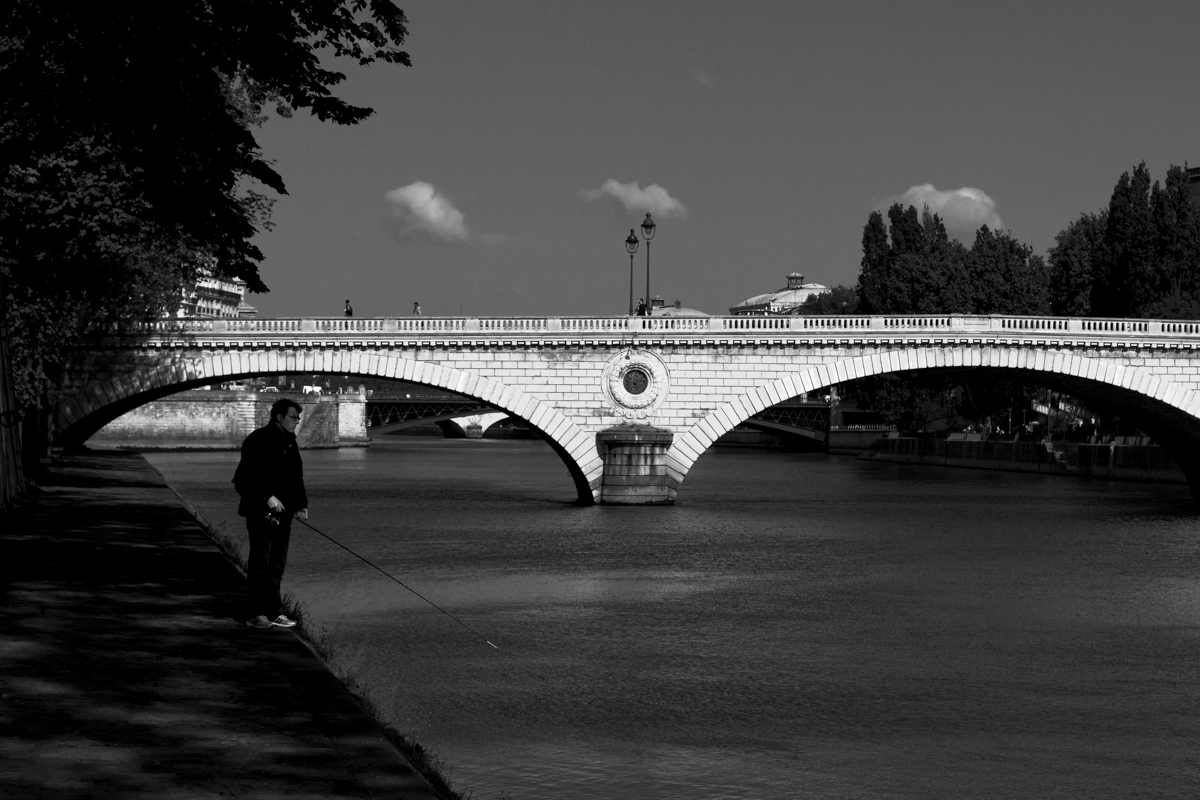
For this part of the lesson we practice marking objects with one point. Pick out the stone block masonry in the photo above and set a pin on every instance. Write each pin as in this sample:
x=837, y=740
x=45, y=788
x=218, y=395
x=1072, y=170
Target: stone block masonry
x=220, y=420
x=635, y=465
x=200, y=420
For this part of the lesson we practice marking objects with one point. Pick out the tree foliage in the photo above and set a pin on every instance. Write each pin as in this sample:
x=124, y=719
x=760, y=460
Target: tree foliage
x=1119, y=279
x=840, y=299
x=913, y=267
x=1148, y=262
x=1138, y=257
x=1076, y=248
x=127, y=144
x=1004, y=277
x=1174, y=279
x=910, y=267
x=80, y=255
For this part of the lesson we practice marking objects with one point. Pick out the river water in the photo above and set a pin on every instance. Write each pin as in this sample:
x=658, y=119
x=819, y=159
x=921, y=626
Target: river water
x=798, y=626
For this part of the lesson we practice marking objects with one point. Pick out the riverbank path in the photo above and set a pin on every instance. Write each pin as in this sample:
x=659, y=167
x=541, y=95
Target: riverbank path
x=125, y=672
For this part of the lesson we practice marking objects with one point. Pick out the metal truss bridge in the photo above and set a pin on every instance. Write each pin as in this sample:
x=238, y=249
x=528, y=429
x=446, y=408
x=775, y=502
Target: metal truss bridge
x=387, y=413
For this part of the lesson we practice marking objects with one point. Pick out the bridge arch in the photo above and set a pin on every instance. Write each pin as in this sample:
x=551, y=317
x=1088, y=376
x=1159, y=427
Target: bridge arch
x=1170, y=413
x=101, y=401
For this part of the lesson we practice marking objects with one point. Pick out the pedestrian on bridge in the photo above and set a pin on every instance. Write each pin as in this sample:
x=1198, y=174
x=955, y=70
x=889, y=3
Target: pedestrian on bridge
x=349, y=311
x=270, y=481
x=416, y=309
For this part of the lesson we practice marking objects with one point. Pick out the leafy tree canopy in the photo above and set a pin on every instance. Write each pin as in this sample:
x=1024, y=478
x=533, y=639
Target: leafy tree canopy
x=1138, y=257
x=126, y=144
x=1076, y=248
x=169, y=89
x=1003, y=277
x=913, y=267
x=840, y=299
x=1147, y=262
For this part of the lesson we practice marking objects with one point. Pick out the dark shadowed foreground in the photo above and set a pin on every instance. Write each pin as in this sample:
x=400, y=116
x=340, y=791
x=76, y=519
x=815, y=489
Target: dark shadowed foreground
x=124, y=670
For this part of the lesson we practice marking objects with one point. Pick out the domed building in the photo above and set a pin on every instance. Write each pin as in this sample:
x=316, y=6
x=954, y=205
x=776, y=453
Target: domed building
x=781, y=301
x=659, y=309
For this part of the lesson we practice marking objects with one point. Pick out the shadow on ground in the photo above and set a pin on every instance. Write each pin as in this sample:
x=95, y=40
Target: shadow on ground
x=126, y=671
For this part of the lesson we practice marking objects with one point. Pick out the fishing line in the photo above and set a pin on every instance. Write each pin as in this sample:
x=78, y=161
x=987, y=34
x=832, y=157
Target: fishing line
x=390, y=577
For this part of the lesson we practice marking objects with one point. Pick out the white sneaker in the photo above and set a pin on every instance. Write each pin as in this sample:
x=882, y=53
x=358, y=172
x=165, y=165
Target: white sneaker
x=283, y=622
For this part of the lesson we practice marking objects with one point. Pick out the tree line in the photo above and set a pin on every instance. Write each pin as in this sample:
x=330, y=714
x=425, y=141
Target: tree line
x=1137, y=257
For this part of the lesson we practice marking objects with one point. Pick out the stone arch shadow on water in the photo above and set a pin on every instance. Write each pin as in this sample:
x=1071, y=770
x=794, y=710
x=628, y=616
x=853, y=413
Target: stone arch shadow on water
x=81, y=415
x=1166, y=411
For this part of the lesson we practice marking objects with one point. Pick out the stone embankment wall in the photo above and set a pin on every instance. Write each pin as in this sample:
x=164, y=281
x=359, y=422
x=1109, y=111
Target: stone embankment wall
x=1143, y=462
x=847, y=441
x=1115, y=461
x=220, y=420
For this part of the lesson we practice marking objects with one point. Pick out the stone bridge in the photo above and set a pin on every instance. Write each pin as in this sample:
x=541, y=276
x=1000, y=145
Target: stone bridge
x=618, y=398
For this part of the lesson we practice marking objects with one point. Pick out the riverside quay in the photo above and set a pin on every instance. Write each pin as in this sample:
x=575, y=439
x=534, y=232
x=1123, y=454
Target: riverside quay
x=630, y=403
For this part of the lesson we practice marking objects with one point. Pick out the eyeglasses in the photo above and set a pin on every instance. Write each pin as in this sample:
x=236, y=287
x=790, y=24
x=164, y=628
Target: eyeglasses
x=295, y=417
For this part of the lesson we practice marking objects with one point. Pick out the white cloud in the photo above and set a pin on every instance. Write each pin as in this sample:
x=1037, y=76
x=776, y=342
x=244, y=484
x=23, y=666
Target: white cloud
x=653, y=198
x=419, y=211
x=962, y=210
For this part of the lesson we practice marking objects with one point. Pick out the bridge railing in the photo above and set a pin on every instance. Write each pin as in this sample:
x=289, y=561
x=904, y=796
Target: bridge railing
x=852, y=325
x=594, y=324
x=1181, y=328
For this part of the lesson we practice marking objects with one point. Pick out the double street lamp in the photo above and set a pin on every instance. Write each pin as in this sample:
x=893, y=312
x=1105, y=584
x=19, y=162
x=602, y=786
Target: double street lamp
x=631, y=244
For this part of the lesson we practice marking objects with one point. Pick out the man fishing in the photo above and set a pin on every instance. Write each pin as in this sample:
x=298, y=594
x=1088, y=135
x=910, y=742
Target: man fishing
x=270, y=480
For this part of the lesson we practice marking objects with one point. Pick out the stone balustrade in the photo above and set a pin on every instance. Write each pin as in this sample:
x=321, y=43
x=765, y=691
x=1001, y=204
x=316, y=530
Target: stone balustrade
x=861, y=326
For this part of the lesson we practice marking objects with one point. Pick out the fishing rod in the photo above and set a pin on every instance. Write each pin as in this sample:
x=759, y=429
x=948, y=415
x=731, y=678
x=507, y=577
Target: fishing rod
x=390, y=577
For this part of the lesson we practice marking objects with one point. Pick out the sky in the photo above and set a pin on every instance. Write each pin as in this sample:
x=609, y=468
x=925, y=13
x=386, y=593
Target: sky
x=502, y=172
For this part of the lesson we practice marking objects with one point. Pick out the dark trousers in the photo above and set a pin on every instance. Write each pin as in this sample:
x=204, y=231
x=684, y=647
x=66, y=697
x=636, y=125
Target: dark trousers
x=268, y=557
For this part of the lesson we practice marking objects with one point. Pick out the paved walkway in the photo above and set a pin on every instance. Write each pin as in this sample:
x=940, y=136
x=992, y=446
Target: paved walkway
x=124, y=671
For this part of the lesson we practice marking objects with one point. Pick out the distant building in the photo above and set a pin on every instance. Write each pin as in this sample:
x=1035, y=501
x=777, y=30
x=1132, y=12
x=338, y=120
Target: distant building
x=212, y=296
x=660, y=309
x=781, y=301
x=1193, y=175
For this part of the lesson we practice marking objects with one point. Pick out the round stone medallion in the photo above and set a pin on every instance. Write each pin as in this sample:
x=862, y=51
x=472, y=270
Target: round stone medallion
x=635, y=383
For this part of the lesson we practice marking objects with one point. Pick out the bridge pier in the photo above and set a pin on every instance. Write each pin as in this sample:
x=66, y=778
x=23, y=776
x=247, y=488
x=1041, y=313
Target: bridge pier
x=635, y=465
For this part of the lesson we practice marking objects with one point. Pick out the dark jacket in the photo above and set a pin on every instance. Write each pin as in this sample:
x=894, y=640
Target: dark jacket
x=270, y=466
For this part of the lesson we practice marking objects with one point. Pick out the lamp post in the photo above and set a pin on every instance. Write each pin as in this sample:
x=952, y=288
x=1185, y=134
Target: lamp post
x=631, y=244
x=648, y=234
